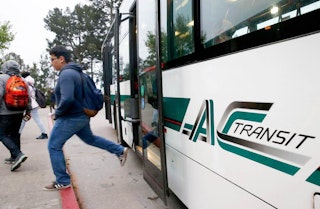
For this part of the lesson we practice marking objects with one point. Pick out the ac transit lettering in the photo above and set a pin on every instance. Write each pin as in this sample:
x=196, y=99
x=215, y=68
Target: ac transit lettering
x=240, y=131
x=285, y=138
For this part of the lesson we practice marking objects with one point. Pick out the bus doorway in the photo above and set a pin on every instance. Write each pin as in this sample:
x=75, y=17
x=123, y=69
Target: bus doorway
x=151, y=141
x=150, y=138
x=134, y=89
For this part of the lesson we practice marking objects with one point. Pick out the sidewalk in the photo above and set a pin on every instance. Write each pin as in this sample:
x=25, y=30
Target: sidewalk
x=22, y=189
x=99, y=182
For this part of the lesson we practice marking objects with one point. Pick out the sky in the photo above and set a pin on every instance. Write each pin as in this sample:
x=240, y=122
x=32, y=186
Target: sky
x=26, y=20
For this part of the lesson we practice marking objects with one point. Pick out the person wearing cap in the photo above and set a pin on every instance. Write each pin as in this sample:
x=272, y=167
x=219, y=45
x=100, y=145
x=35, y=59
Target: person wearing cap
x=35, y=107
x=10, y=120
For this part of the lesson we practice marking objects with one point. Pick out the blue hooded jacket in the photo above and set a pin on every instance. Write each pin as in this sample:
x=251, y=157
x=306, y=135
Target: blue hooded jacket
x=69, y=92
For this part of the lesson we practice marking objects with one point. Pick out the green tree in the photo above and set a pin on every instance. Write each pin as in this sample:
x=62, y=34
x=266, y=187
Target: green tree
x=51, y=75
x=107, y=7
x=82, y=30
x=183, y=41
x=66, y=33
x=94, y=24
x=151, y=46
x=6, y=36
x=16, y=57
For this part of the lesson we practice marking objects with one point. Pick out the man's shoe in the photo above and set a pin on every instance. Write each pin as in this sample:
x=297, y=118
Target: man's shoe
x=123, y=157
x=54, y=186
x=42, y=136
x=17, y=162
x=9, y=160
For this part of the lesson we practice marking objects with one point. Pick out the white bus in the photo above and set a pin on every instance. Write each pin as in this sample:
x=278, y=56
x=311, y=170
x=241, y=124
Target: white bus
x=220, y=99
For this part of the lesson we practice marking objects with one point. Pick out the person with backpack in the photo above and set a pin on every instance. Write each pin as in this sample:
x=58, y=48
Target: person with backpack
x=70, y=118
x=14, y=101
x=35, y=106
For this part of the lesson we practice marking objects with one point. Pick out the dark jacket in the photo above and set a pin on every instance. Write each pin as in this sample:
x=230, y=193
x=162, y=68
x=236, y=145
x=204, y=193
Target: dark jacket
x=68, y=92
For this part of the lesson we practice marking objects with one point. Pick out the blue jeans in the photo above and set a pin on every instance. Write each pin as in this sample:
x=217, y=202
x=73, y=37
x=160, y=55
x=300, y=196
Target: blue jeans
x=149, y=137
x=64, y=129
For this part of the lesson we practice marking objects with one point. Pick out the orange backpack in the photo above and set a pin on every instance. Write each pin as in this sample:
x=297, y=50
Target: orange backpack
x=16, y=97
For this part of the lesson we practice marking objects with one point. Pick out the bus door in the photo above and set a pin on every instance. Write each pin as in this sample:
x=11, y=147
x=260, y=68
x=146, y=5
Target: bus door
x=151, y=143
x=127, y=111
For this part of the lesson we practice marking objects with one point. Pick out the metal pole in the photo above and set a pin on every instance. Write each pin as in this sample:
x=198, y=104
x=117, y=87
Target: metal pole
x=160, y=101
x=117, y=65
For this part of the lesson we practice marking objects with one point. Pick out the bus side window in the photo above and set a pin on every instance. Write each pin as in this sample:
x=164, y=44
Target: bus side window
x=231, y=19
x=181, y=35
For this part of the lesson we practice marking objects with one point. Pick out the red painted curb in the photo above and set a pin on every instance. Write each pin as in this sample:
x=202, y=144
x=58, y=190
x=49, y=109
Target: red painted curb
x=68, y=199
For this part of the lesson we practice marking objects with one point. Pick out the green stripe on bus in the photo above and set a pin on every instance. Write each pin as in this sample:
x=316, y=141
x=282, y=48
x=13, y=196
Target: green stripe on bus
x=172, y=126
x=112, y=98
x=122, y=97
x=314, y=178
x=174, y=110
x=188, y=126
x=278, y=165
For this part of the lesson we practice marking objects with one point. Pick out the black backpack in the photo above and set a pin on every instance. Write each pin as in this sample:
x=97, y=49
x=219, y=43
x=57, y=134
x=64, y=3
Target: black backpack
x=40, y=98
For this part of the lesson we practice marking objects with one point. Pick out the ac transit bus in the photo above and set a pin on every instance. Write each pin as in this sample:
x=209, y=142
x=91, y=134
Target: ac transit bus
x=220, y=99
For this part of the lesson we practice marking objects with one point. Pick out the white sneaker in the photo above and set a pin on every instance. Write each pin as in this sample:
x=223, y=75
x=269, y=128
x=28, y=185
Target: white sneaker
x=123, y=157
